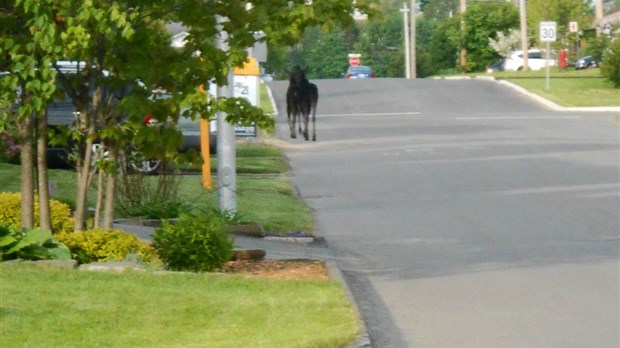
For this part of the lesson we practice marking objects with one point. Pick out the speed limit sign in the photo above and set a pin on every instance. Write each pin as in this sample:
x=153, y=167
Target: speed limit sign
x=547, y=31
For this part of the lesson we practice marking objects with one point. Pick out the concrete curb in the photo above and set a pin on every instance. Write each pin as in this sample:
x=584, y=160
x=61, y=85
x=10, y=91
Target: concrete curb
x=363, y=339
x=553, y=106
x=545, y=102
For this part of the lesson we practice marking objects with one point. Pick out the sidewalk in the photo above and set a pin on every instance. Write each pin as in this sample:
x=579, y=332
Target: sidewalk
x=276, y=248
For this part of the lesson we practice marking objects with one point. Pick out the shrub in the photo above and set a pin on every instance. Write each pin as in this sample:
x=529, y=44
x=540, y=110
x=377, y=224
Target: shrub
x=610, y=66
x=197, y=243
x=148, y=197
x=10, y=213
x=9, y=148
x=34, y=244
x=100, y=245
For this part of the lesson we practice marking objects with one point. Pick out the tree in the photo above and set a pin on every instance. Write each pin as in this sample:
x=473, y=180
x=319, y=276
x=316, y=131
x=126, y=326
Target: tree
x=483, y=21
x=443, y=46
x=560, y=11
x=381, y=43
x=324, y=54
x=504, y=44
x=439, y=9
x=27, y=48
x=122, y=51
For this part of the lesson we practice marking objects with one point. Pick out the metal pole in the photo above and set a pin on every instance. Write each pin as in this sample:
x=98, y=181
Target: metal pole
x=412, y=39
x=524, y=42
x=404, y=10
x=547, y=68
x=226, y=152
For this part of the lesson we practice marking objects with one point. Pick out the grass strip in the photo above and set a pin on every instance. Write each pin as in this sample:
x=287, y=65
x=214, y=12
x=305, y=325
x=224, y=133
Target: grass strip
x=50, y=307
x=573, y=92
x=569, y=87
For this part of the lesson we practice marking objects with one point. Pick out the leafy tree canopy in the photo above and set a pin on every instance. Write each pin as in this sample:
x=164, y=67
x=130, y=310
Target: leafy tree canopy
x=560, y=11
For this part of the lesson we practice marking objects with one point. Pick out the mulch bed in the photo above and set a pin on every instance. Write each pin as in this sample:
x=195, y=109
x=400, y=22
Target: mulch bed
x=279, y=269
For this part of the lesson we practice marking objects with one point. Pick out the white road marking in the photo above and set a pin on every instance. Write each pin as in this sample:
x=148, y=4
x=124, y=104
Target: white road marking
x=518, y=117
x=371, y=114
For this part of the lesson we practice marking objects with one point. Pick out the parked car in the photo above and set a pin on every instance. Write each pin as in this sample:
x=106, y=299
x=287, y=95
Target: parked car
x=497, y=66
x=535, y=60
x=61, y=113
x=587, y=62
x=359, y=72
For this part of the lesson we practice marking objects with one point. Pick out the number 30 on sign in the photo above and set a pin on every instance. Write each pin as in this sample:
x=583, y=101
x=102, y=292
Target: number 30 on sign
x=547, y=31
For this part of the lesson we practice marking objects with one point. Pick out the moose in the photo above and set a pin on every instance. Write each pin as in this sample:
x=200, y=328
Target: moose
x=302, y=97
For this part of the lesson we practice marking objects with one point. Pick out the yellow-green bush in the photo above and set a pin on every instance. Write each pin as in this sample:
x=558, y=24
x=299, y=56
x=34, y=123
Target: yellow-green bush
x=10, y=207
x=100, y=245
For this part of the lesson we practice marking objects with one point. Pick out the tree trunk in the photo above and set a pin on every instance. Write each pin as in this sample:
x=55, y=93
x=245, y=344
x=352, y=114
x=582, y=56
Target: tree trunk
x=83, y=168
x=97, y=156
x=27, y=173
x=45, y=220
x=108, y=219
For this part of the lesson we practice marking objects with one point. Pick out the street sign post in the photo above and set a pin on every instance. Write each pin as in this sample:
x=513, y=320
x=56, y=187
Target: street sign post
x=548, y=32
x=354, y=59
x=573, y=27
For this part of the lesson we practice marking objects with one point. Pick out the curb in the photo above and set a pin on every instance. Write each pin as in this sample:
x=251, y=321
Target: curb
x=363, y=339
x=545, y=102
x=551, y=105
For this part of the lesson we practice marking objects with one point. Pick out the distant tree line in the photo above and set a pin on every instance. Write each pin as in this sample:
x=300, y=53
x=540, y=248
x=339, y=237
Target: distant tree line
x=441, y=32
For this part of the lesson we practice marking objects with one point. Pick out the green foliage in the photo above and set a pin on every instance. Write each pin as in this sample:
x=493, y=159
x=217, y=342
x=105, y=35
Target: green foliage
x=596, y=47
x=483, y=21
x=9, y=147
x=100, y=245
x=323, y=53
x=10, y=205
x=610, y=66
x=439, y=9
x=150, y=197
x=35, y=244
x=379, y=43
x=443, y=47
x=197, y=243
x=560, y=11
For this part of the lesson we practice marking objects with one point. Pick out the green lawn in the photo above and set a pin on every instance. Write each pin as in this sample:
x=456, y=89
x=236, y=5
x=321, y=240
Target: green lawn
x=265, y=195
x=570, y=88
x=572, y=92
x=50, y=307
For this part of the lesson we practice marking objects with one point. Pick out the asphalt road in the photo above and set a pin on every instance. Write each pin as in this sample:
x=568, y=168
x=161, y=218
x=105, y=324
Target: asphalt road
x=463, y=214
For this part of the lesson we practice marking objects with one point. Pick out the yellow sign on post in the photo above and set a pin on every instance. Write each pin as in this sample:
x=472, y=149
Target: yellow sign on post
x=206, y=155
x=250, y=68
x=246, y=86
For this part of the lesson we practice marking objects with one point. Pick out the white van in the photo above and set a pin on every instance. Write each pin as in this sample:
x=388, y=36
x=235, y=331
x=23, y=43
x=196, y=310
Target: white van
x=536, y=60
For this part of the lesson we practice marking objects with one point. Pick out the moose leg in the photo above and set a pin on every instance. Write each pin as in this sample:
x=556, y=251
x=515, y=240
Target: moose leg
x=313, y=124
x=291, y=121
x=306, y=116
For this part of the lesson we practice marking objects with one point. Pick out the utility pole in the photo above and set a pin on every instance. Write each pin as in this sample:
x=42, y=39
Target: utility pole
x=412, y=45
x=463, y=55
x=404, y=10
x=226, y=152
x=598, y=14
x=524, y=42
